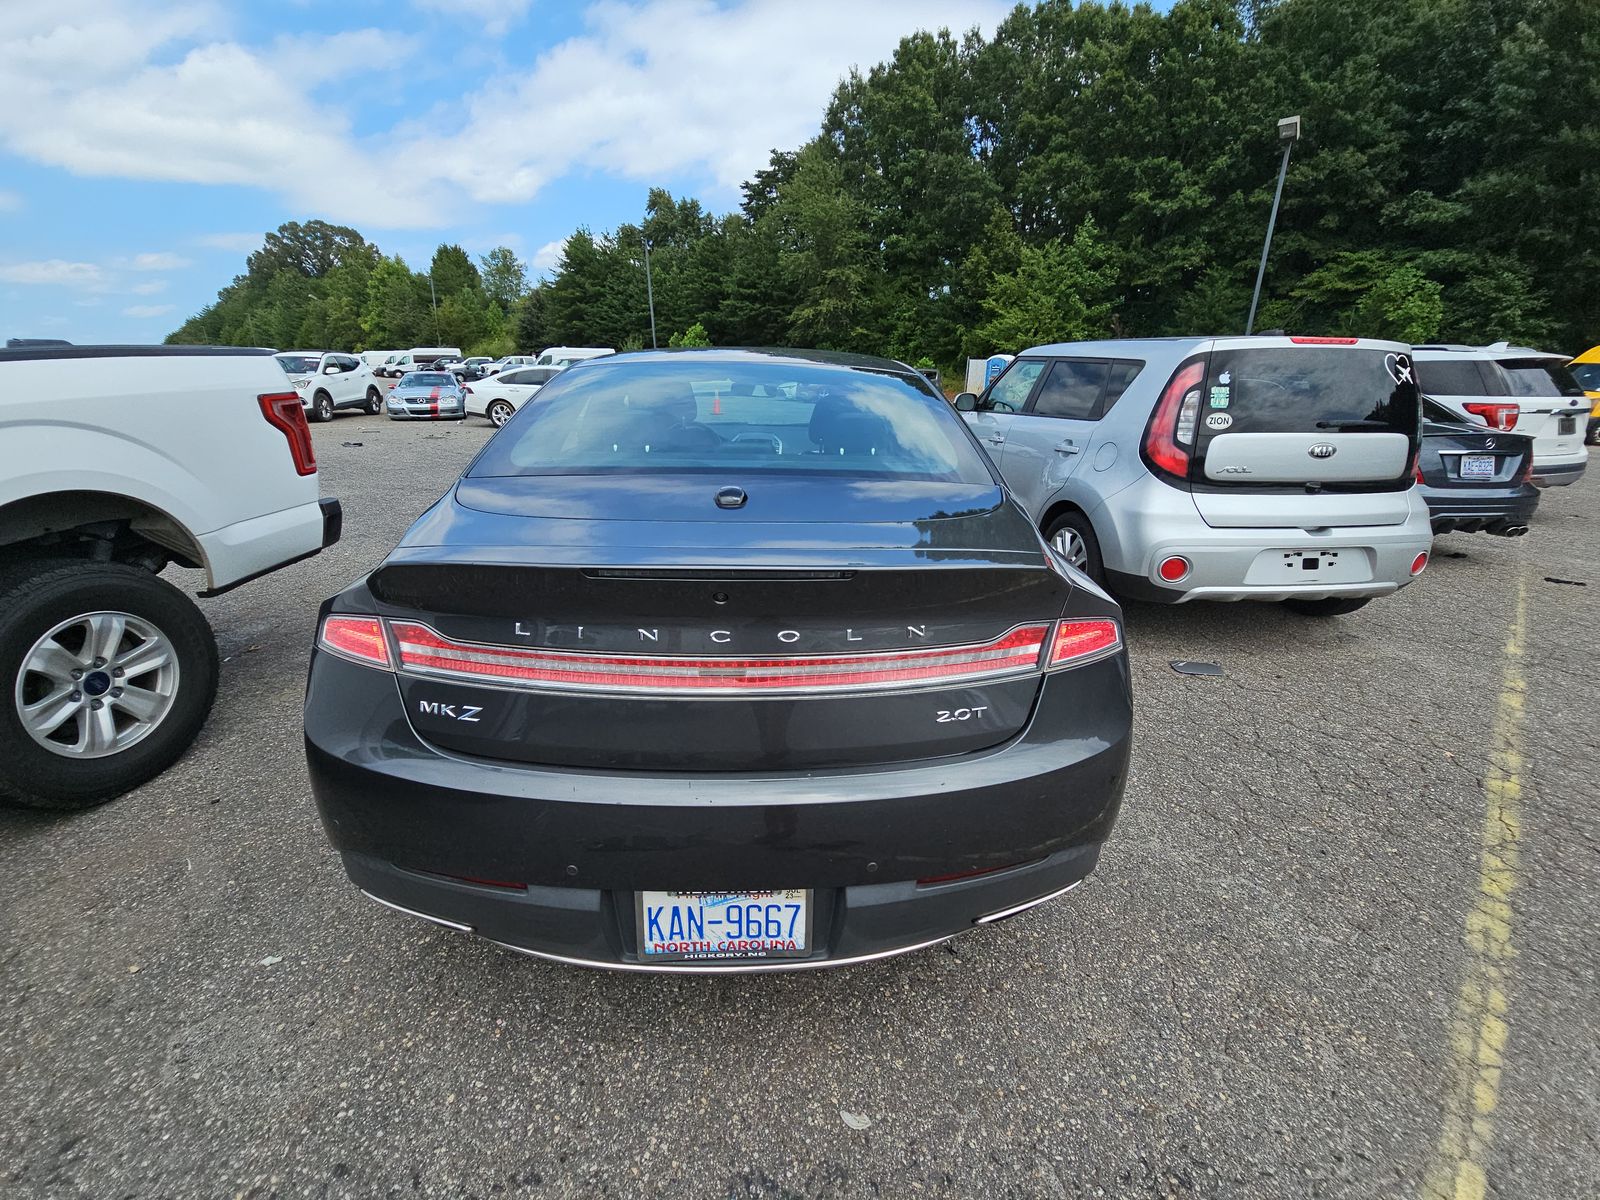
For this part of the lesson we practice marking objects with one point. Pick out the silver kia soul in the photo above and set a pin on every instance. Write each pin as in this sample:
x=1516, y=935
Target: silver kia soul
x=1237, y=468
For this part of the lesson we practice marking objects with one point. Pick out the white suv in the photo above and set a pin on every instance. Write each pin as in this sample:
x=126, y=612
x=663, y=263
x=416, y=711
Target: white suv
x=1513, y=389
x=328, y=382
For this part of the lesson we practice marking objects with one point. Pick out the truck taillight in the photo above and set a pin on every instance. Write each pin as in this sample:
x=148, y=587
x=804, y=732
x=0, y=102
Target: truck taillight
x=284, y=411
x=1496, y=416
x=1172, y=426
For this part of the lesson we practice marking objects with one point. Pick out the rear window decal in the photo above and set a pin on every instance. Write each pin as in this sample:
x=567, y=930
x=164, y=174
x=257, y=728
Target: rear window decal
x=1218, y=420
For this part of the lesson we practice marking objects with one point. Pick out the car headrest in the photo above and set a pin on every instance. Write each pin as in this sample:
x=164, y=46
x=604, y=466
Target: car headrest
x=849, y=432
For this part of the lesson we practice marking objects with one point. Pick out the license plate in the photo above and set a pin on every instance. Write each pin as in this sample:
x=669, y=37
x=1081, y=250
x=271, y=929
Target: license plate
x=717, y=926
x=1478, y=466
x=1568, y=425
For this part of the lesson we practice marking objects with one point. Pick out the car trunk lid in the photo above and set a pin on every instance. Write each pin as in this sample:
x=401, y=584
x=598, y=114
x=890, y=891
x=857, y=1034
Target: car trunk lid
x=627, y=622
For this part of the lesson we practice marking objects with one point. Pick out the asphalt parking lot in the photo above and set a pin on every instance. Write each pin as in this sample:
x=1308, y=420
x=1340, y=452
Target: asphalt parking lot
x=1341, y=945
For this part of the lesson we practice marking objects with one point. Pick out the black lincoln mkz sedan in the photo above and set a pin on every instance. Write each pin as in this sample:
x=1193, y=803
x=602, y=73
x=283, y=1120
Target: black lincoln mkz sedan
x=721, y=660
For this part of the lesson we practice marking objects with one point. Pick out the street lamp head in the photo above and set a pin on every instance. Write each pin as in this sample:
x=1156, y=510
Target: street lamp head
x=1289, y=129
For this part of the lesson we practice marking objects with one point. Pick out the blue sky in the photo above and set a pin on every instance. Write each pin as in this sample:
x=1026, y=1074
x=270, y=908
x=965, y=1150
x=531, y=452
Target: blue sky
x=145, y=146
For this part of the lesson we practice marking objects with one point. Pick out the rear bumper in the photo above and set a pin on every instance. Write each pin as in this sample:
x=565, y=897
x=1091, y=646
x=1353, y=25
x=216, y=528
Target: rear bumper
x=1498, y=510
x=414, y=822
x=595, y=928
x=1558, y=474
x=249, y=549
x=1262, y=563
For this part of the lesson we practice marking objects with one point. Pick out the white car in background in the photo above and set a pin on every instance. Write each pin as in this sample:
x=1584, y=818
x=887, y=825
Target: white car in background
x=1513, y=389
x=376, y=358
x=565, y=356
x=512, y=360
x=329, y=382
x=498, y=396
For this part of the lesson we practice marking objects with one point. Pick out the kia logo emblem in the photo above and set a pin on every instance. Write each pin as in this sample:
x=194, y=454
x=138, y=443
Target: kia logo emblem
x=1323, y=450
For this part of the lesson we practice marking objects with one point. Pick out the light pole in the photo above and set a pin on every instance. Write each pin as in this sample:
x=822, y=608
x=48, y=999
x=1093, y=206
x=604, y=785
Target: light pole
x=1288, y=134
x=650, y=292
x=435, y=296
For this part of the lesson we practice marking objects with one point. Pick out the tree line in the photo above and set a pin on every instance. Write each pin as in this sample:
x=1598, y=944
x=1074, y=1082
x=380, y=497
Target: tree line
x=1090, y=170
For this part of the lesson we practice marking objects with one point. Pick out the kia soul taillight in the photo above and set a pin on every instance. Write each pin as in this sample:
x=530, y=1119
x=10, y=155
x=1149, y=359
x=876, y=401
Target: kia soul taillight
x=1169, y=438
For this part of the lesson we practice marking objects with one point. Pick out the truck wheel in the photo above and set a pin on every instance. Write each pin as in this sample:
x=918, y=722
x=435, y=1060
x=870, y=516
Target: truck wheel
x=500, y=412
x=106, y=676
x=1334, y=606
x=322, y=407
x=374, y=402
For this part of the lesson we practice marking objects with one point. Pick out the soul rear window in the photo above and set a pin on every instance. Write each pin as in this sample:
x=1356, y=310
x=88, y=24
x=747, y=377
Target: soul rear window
x=705, y=416
x=1306, y=390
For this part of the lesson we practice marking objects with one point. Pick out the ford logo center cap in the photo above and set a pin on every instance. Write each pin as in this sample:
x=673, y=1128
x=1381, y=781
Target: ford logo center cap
x=731, y=497
x=1320, y=450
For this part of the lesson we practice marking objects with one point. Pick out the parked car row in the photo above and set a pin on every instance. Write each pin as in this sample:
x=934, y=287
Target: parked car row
x=1306, y=470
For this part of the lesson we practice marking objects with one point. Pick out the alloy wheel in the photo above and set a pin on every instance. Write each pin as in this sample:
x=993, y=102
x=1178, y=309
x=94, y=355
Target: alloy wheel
x=96, y=684
x=1070, y=545
x=499, y=413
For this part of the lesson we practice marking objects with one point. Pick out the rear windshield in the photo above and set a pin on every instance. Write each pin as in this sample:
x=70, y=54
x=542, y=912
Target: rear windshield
x=1459, y=378
x=299, y=364
x=1305, y=390
x=1539, y=377
x=428, y=379
x=704, y=416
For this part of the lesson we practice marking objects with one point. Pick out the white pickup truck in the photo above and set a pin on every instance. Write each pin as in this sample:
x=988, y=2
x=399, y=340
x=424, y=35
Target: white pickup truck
x=115, y=461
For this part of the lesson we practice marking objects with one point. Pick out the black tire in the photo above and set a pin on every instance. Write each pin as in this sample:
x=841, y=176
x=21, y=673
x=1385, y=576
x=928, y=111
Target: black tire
x=374, y=402
x=1080, y=528
x=1334, y=606
x=322, y=407
x=35, y=598
x=501, y=407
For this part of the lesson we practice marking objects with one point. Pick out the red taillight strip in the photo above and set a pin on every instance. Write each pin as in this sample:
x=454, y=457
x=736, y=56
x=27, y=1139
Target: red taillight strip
x=424, y=651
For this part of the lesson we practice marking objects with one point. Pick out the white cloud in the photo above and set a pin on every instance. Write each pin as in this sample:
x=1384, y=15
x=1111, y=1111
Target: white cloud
x=671, y=86
x=9, y=201
x=158, y=261
x=54, y=272
x=240, y=243
x=149, y=287
x=496, y=15
x=147, y=310
x=548, y=256
x=652, y=90
x=167, y=100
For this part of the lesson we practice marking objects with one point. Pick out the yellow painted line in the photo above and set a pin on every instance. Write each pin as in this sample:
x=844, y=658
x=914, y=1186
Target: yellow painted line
x=1481, y=1025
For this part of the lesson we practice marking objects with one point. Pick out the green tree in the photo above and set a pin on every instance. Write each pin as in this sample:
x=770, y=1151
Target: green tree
x=452, y=271
x=692, y=338
x=505, y=278
x=1060, y=292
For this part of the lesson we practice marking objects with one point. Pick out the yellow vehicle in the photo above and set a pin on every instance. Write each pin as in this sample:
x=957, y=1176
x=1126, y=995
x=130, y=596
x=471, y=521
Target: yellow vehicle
x=1586, y=369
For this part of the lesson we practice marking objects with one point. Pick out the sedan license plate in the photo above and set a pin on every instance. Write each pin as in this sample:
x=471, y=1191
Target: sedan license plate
x=718, y=926
x=1568, y=425
x=1477, y=466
